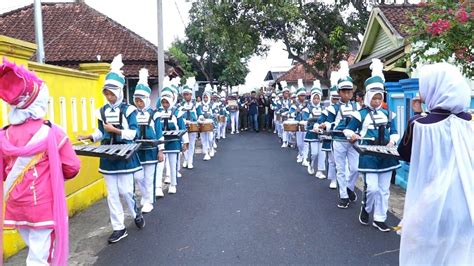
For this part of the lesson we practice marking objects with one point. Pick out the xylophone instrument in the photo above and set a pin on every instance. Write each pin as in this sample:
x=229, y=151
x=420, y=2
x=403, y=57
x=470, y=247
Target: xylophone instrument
x=378, y=150
x=172, y=135
x=114, y=152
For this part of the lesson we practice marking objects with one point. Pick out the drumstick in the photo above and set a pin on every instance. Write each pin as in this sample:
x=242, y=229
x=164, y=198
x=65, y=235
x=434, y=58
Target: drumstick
x=372, y=138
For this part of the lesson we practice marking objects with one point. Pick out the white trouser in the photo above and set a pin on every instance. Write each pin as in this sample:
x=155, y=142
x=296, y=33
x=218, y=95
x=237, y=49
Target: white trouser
x=345, y=150
x=287, y=136
x=39, y=245
x=207, y=141
x=179, y=160
x=318, y=157
x=146, y=183
x=120, y=185
x=377, y=193
x=172, y=158
x=331, y=166
x=221, y=130
x=300, y=142
x=234, y=121
x=189, y=154
x=279, y=128
x=159, y=175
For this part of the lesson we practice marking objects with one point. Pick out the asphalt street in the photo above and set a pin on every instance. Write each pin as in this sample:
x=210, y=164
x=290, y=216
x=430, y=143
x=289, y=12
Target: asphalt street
x=253, y=204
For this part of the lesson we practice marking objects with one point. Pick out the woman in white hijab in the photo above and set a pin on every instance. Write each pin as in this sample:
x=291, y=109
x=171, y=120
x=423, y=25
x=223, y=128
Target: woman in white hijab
x=438, y=222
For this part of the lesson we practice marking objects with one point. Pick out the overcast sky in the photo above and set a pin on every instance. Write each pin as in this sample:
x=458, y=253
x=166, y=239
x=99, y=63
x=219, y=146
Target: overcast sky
x=142, y=19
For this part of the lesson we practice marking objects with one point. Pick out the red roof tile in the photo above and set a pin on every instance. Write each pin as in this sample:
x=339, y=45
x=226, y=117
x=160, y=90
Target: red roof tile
x=298, y=71
x=76, y=33
x=399, y=15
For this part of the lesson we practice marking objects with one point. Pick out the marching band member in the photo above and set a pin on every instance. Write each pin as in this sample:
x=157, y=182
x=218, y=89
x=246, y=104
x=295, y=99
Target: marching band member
x=222, y=111
x=207, y=113
x=284, y=110
x=36, y=157
x=296, y=112
x=233, y=107
x=379, y=124
x=191, y=113
x=340, y=115
x=215, y=109
x=438, y=220
x=118, y=125
x=171, y=119
x=150, y=129
x=277, y=104
x=316, y=157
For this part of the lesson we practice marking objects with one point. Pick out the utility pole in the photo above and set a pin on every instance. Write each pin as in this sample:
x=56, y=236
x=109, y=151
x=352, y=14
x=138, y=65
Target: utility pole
x=161, y=53
x=39, y=31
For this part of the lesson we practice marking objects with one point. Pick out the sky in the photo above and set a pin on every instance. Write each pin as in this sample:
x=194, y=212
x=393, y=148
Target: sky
x=142, y=19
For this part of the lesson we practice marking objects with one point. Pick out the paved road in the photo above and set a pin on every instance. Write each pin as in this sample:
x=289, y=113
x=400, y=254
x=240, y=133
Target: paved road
x=252, y=204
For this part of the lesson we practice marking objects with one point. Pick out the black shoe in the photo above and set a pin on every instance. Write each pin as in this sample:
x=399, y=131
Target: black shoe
x=343, y=203
x=381, y=226
x=117, y=235
x=139, y=221
x=352, y=195
x=363, y=216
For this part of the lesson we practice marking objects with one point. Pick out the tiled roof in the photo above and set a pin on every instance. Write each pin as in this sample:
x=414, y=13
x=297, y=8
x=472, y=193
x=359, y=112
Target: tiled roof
x=399, y=15
x=77, y=33
x=298, y=71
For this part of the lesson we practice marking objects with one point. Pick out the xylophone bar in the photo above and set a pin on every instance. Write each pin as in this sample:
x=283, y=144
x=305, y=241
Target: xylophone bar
x=114, y=152
x=378, y=150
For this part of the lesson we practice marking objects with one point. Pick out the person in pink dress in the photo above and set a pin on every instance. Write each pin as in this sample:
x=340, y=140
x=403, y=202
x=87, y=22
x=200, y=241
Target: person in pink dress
x=36, y=157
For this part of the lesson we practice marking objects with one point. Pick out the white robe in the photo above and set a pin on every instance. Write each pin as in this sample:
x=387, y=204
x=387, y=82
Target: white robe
x=438, y=223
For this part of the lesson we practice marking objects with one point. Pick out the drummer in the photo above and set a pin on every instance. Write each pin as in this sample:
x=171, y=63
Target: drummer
x=223, y=115
x=296, y=112
x=171, y=119
x=379, y=124
x=327, y=144
x=118, y=174
x=284, y=110
x=316, y=157
x=233, y=109
x=191, y=112
x=216, y=103
x=207, y=115
x=340, y=115
x=149, y=129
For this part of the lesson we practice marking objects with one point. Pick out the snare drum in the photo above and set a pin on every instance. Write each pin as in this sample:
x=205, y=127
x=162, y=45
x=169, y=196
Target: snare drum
x=222, y=119
x=290, y=126
x=302, y=125
x=206, y=126
x=193, y=126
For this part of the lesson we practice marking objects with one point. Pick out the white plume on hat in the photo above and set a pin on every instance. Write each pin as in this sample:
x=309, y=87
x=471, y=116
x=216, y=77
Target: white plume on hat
x=343, y=69
x=300, y=83
x=143, y=76
x=377, y=68
x=116, y=65
x=334, y=78
x=283, y=84
x=191, y=81
x=316, y=84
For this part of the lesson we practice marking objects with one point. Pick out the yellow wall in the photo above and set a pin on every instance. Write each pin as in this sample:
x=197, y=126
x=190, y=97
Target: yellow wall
x=71, y=92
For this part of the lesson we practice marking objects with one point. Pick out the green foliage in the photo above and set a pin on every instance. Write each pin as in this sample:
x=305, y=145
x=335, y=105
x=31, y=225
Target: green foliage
x=442, y=31
x=176, y=52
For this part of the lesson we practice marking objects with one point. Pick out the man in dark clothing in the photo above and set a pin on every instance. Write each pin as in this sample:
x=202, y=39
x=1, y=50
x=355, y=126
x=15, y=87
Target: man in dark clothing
x=262, y=103
x=243, y=113
x=253, y=110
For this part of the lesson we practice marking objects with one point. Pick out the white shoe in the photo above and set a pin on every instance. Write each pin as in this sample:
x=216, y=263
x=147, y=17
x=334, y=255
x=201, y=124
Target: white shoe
x=333, y=184
x=320, y=175
x=211, y=153
x=284, y=145
x=274, y=132
x=310, y=170
x=185, y=164
x=299, y=159
x=223, y=137
x=159, y=193
x=232, y=132
x=190, y=166
x=215, y=146
x=237, y=132
x=207, y=157
x=178, y=174
x=305, y=163
x=172, y=190
x=167, y=180
x=147, y=207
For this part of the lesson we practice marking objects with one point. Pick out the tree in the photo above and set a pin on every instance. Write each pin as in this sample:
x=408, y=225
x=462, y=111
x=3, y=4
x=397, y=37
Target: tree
x=220, y=39
x=176, y=51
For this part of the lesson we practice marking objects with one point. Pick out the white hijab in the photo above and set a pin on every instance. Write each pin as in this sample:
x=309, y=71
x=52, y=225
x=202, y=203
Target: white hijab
x=442, y=86
x=368, y=98
x=36, y=110
x=117, y=91
x=145, y=100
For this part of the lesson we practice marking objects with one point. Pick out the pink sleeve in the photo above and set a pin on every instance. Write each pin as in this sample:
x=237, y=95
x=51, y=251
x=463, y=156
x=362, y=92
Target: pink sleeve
x=70, y=161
